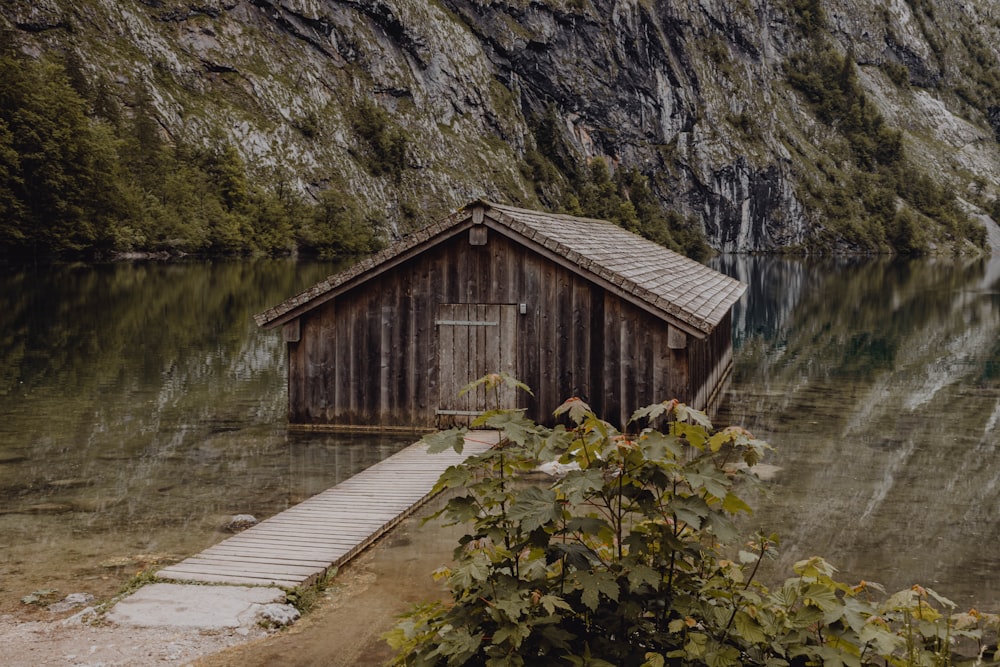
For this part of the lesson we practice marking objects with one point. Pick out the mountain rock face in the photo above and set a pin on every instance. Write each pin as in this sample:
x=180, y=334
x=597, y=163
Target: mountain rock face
x=693, y=94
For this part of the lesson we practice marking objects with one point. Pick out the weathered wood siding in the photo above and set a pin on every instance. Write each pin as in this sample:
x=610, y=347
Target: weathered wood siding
x=372, y=356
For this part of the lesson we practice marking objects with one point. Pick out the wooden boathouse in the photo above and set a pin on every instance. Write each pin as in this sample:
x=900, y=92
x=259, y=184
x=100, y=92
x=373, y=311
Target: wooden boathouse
x=570, y=306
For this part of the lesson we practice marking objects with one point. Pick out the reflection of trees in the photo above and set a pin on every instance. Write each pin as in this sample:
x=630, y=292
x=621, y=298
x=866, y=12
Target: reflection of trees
x=774, y=288
x=74, y=329
x=140, y=406
x=877, y=391
x=126, y=359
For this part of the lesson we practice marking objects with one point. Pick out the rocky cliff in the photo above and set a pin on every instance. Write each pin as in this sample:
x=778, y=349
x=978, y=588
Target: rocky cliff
x=417, y=106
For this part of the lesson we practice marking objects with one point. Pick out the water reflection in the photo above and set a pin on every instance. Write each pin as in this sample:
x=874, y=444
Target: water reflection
x=878, y=383
x=140, y=407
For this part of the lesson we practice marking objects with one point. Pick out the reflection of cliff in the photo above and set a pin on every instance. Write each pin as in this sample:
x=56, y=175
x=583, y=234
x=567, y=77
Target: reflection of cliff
x=135, y=363
x=774, y=288
x=140, y=407
x=880, y=391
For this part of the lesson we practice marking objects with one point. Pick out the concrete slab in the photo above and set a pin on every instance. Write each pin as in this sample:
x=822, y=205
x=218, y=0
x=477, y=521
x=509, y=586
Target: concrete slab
x=195, y=607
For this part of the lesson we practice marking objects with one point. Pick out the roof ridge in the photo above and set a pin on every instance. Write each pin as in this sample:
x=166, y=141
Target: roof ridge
x=667, y=281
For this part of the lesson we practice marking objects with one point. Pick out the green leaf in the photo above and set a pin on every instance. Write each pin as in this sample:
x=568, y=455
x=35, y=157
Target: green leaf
x=587, y=525
x=575, y=408
x=691, y=510
x=552, y=602
x=688, y=414
x=695, y=435
x=580, y=485
x=886, y=642
x=834, y=657
x=941, y=599
x=720, y=655
x=737, y=436
x=708, y=477
x=577, y=555
x=483, y=420
x=814, y=568
x=512, y=633
x=515, y=426
x=555, y=635
x=723, y=528
x=640, y=575
x=822, y=596
x=587, y=660
x=454, y=477
x=458, y=645
x=453, y=438
x=661, y=448
x=461, y=509
x=470, y=573
x=749, y=629
x=654, y=660
x=734, y=504
x=513, y=608
x=595, y=584
x=653, y=411
x=857, y=612
x=534, y=507
x=493, y=381
x=695, y=645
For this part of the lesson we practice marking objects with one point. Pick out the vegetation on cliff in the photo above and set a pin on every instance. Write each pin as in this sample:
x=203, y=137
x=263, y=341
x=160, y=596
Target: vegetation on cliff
x=81, y=176
x=330, y=127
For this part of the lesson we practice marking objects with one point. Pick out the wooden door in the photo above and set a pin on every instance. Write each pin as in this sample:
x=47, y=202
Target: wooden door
x=473, y=340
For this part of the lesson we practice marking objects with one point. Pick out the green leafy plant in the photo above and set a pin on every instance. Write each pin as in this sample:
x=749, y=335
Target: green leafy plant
x=386, y=143
x=620, y=560
x=304, y=598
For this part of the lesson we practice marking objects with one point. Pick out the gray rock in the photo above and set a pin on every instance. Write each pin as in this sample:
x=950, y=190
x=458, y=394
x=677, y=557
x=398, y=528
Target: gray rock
x=277, y=615
x=72, y=601
x=85, y=615
x=240, y=522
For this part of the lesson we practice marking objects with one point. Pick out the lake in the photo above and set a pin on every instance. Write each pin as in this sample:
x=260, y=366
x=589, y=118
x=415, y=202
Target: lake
x=140, y=408
x=878, y=383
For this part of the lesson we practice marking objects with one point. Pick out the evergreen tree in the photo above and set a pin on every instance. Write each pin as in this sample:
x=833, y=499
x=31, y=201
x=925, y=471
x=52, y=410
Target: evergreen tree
x=338, y=227
x=11, y=208
x=66, y=180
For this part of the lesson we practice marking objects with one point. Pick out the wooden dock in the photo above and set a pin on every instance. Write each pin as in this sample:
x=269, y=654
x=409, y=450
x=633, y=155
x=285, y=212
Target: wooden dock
x=298, y=546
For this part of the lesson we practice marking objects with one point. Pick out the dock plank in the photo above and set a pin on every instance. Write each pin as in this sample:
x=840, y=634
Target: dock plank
x=299, y=545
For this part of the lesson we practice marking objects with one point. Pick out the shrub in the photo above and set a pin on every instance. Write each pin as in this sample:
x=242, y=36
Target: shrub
x=338, y=227
x=621, y=560
x=387, y=147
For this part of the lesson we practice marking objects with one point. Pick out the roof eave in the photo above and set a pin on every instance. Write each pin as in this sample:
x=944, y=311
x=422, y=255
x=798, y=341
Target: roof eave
x=365, y=270
x=585, y=268
x=482, y=212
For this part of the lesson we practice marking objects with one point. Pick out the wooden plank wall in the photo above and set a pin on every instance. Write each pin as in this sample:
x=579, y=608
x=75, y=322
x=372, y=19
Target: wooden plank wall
x=369, y=357
x=712, y=361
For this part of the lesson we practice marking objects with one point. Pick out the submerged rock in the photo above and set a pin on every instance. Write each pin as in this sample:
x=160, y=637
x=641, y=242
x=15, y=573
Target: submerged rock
x=239, y=522
x=73, y=483
x=48, y=508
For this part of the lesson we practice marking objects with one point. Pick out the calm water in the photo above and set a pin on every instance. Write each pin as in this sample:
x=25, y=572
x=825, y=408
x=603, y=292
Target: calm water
x=140, y=407
x=879, y=385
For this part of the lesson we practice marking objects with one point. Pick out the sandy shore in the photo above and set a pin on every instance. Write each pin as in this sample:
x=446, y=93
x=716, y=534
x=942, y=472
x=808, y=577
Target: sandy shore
x=343, y=628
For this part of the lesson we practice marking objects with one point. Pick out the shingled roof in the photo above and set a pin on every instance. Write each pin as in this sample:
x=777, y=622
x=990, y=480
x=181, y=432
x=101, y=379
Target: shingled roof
x=680, y=288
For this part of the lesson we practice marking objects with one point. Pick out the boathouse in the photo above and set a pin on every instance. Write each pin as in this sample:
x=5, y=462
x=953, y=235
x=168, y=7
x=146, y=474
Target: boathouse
x=570, y=306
